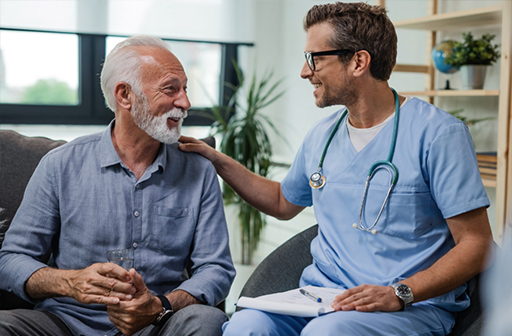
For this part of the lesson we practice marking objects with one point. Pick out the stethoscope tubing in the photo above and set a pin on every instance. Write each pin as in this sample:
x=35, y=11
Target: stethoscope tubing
x=317, y=183
x=366, y=186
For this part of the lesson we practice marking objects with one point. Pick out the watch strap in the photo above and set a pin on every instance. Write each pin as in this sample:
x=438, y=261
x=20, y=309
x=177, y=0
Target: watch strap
x=166, y=313
x=165, y=302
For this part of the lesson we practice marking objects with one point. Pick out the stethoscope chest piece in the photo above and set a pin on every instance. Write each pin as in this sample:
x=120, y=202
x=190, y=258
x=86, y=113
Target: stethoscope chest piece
x=316, y=181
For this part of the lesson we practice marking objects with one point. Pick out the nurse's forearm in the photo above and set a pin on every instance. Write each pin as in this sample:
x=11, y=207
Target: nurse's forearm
x=473, y=238
x=262, y=193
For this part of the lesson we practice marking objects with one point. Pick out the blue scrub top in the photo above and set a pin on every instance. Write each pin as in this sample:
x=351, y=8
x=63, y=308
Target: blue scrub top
x=438, y=179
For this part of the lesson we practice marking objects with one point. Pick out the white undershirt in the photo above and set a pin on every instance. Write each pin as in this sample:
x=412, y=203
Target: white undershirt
x=360, y=137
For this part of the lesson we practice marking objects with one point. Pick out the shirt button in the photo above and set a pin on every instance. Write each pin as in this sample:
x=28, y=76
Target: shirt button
x=134, y=245
x=137, y=186
x=136, y=214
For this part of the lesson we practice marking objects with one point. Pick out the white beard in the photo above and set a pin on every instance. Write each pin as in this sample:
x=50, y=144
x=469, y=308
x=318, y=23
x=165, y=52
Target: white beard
x=156, y=127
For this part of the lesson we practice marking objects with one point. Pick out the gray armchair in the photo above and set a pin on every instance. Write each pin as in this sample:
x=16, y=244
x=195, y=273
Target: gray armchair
x=19, y=156
x=281, y=270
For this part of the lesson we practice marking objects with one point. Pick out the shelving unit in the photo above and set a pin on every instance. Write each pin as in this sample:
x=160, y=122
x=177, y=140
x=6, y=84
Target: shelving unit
x=452, y=93
x=498, y=16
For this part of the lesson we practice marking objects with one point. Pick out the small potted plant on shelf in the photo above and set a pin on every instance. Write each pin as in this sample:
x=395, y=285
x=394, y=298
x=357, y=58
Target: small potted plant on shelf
x=473, y=57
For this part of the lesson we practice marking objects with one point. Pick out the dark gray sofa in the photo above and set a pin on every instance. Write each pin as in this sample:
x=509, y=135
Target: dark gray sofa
x=19, y=156
x=281, y=270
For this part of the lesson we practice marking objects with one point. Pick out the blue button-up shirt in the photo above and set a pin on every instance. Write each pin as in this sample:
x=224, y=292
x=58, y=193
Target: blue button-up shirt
x=83, y=201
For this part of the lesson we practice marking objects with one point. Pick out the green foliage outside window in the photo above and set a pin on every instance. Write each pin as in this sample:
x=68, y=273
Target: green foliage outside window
x=50, y=92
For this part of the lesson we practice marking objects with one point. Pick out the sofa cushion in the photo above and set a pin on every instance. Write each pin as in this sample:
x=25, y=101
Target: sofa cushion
x=19, y=156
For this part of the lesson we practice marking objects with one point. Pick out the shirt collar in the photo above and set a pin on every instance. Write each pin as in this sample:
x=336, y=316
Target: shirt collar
x=109, y=156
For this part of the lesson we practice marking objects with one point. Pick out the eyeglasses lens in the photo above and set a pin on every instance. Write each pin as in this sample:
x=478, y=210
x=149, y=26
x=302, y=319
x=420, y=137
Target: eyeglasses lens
x=309, y=59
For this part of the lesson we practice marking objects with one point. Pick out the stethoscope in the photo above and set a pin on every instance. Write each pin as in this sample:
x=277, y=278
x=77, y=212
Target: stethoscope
x=317, y=180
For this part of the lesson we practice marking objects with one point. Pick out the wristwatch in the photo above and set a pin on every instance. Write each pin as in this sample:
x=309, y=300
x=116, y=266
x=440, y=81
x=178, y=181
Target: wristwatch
x=404, y=293
x=166, y=311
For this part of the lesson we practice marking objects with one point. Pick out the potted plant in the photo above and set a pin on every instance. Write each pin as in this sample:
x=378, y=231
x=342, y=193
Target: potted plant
x=468, y=121
x=473, y=57
x=244, y=138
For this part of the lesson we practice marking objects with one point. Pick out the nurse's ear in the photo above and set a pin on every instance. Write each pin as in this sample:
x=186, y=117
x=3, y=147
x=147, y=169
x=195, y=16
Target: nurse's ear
x=360, y=63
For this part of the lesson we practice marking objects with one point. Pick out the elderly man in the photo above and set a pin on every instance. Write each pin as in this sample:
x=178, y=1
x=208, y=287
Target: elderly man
x=422, y=231
x=128, y=187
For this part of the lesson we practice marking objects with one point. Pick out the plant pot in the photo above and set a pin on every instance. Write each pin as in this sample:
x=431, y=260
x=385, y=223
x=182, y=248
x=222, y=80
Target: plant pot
x=472, y=76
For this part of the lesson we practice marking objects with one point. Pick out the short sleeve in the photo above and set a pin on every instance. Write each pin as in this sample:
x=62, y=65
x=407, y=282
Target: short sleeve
x=455, y=180
x=295, y=186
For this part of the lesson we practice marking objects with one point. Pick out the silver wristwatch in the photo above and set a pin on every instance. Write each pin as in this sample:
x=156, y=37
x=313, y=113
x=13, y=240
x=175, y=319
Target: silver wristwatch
x=404, y=293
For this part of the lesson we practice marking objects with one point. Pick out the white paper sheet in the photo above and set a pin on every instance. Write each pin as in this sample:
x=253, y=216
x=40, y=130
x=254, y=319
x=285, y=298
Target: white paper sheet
x=294, y=303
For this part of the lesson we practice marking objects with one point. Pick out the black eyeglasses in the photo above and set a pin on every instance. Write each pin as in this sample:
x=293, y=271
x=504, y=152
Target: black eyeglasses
x=310, y=56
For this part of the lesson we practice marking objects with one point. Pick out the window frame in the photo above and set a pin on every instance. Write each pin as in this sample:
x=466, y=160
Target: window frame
x=91, y=109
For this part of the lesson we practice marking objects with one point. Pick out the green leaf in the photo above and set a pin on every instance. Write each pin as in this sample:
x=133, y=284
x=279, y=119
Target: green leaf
x=476, y=52
x=245, y=139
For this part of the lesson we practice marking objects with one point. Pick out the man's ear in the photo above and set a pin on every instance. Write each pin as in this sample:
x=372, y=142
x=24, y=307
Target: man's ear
x=361, y=62
x=124, y=95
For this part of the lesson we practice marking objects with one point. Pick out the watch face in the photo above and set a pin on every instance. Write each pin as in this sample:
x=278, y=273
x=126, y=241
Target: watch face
x=403, y=290
x=404, y=293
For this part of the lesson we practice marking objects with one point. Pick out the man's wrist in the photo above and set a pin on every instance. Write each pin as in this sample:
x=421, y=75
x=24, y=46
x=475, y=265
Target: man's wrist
x=166, y=311
x=404, y=293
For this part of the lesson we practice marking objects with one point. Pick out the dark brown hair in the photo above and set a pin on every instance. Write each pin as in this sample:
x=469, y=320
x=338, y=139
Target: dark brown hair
x=359, y=26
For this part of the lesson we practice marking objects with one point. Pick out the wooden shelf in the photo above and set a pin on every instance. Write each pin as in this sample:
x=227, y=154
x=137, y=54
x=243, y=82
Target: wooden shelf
x=453, y=93
x=465, y=20
x=489, y=183
x=455, y=20
x=412, y=68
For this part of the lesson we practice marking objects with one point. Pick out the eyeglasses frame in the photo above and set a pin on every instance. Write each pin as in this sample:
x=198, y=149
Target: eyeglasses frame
x=310, y=56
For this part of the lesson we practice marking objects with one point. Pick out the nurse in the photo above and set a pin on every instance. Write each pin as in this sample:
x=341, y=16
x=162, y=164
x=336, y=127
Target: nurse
x=402, y=242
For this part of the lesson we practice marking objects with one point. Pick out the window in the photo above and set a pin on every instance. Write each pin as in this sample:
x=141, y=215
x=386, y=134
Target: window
x=201, y=62
x=53, y=78
x=30, y=72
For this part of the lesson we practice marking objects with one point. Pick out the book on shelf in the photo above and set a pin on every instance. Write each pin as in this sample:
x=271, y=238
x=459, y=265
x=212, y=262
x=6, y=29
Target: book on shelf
x=487, y=165
x=488, y=177
x=293, y=302
x=487, y=170
x=490, y=157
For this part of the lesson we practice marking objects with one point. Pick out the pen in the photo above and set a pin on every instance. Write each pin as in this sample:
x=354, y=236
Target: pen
x=310, y=295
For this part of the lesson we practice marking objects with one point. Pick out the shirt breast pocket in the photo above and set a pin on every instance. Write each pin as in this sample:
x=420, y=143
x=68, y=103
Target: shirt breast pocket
x=410, y=215
x=172, y=228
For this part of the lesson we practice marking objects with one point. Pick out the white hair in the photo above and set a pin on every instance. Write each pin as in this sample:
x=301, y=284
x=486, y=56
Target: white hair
x=123, y=64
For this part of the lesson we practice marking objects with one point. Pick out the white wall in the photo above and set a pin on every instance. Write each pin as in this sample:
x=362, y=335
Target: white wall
x=210, y=20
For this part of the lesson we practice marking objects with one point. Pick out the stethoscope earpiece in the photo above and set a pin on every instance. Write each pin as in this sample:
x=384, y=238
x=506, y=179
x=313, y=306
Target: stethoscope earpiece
x=355, y=226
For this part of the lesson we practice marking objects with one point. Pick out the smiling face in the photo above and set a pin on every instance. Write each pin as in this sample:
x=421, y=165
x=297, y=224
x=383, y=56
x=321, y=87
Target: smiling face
x=330, y=79
x=165, y=128
x=160, y=109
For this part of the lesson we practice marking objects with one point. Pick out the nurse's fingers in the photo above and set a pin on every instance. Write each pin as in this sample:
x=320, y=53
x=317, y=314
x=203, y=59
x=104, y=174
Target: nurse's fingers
x=367, y=298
